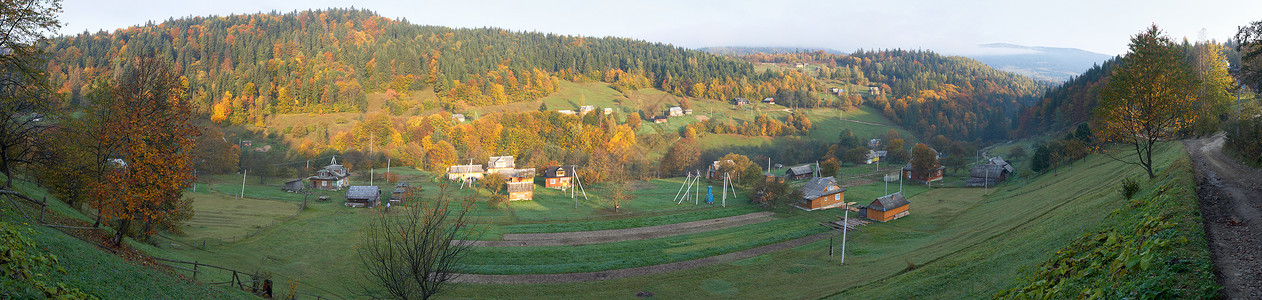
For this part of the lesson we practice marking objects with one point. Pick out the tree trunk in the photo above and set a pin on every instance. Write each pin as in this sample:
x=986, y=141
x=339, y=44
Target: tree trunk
x=120, y=231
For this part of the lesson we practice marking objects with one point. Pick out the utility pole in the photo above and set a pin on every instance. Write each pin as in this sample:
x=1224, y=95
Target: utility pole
x=387, y=170
x=243, y=172
x=845, y=226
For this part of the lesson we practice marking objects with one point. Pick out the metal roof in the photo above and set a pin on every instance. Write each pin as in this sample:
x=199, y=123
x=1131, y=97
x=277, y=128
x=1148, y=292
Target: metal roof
x=500, y=162
x=551, y=172
x=514, y=187
x=820, y=186
x=465, y=169
x=369, y=192
x=889, y=202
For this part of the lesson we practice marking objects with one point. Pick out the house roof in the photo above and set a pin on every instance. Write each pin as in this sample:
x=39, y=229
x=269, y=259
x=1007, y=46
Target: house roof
x=551, y=172
x=514, y=187
x=799, y=170
x=820, y=186
x=889, y=202
x=676, y=109
x=465, y=169
x=363, y=192
x=882, y=153
x=986, y=170
x=401, y=184
x=1006, y=166
x=399, y=191
x=518, y=173
x=909, y=168
x=500, y=162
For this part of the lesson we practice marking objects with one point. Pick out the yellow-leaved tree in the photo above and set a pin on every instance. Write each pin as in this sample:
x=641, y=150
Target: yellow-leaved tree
x=1148, y=99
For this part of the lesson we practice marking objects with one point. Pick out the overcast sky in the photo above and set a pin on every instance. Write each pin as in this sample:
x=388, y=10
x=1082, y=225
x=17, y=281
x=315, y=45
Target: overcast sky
x=952, y=27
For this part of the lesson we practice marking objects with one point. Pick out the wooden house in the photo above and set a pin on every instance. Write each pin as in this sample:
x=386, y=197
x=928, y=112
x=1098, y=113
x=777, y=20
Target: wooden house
x=558, y=177
x=332, y=177
x=822, y=193
x=659, y=119
x=888, y=207
x=740, y=101
x=400, y=192
x=608, y=111
x=874, y=90
x=458, y=117
x=465, y=173
x=293, y=186
x=583, y=110
x=675, y=111
x=799, y=172
x=934, y=174
x=769, y=100
x=500, y=163
x=994, y=171
x=363, y=196
x=713, y=171
x=521, y=191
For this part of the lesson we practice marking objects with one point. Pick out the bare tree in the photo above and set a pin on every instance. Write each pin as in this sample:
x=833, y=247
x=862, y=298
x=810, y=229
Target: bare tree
x=415, y=250
x=24, y=101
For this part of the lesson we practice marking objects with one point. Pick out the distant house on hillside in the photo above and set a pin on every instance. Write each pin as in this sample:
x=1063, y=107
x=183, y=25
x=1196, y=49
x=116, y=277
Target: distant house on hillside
x=872, y=157
x=675, y=111
x=465, y=173
x=874, y=90
x=740, y=101
x=608, y=111
x=688, y=111
x=400, y=192
x=923, y=175
x=769, y=100
x=458, y=117
x=583, y=110
x=567, y=112
x=887, y=208
x=659, y=119
x=521, y=191
x=994, y=171
x=822, y=193
x=518, y=175
x=332, y=177
x=363, y=196
x=799, y=172
x=558, y=177
x=713, y=170
x=873, y=143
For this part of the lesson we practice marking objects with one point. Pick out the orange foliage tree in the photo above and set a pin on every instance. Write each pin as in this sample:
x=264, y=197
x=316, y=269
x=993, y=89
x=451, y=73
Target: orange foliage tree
x=152, y=121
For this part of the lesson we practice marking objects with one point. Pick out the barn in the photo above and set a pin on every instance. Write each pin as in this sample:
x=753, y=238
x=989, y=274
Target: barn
x=363, y=196
x=558, y=177
x=994, y=171
x=521, y=191
x=799, y=172
x=497, y=163
x=518, y=175
x=465, y=173
x=822, y=193
x=293, y=186
x=888, y=207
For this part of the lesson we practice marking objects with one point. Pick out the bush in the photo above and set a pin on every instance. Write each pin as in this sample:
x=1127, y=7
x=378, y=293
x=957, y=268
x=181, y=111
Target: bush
x=1129, y=187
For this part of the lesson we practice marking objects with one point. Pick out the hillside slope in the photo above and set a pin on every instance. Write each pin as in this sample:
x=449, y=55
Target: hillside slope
x=1042, y=63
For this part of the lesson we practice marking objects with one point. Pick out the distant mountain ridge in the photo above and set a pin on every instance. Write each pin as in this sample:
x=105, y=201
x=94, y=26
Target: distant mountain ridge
x=1042, y=63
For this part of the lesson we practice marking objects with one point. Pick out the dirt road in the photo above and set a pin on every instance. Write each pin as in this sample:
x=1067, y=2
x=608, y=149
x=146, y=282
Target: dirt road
x=1231, y=204
x=617, y=235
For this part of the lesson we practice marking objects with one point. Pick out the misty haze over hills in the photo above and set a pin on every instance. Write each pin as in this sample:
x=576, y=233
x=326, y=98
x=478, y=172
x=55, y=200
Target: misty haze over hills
x=1041, y=63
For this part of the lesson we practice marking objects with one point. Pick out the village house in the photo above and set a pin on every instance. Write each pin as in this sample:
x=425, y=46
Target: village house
x=994, y=171
x=799, y=172
x=713, y=170
x=887, y=208
x=874, y=156
x=363, y=196
x=769, y=100
x=934, y=174
x=500, y=163
x=458, y=117
x=659, y=119
x=874, y=90
x=293, y=186
x=331, y=177
x=567, y=112
x=873, y=143
x=583, y=110
x=740, y=101
x=521, y=191
x=558, y=177
x=675, y=111
x=822, y=193
x=608, y=111
x=465, y=173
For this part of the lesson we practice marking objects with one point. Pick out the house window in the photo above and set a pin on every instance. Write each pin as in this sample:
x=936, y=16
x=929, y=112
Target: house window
x=552, y=181
x=560, y=172
x=838, y=197
x=324, y=183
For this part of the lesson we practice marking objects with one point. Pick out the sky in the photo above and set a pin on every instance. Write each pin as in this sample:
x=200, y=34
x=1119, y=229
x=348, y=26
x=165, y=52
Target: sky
x=950, y=27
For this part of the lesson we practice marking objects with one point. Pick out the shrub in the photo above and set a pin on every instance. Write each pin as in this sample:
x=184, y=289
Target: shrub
x=1129, y=187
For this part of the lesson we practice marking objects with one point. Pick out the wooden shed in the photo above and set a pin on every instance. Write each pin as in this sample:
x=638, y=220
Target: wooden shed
x=799, y=172
x=521, y=191
x=363, y=196
x=822, y=193
x=923, y=175
x=465, y=173
x=888, y=207
x=994, y=171
x=293, y=186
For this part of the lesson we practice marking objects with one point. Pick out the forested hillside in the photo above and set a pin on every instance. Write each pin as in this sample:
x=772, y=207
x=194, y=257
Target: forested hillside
x=243, y=68
x=1070, y=103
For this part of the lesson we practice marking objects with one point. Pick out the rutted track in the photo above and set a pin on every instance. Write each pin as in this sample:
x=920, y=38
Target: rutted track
x=1231, y=199
x=639, y=271
x=617, y=235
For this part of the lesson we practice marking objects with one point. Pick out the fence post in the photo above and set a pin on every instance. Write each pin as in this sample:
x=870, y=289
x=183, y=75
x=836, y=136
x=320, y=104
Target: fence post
x=195, y=270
